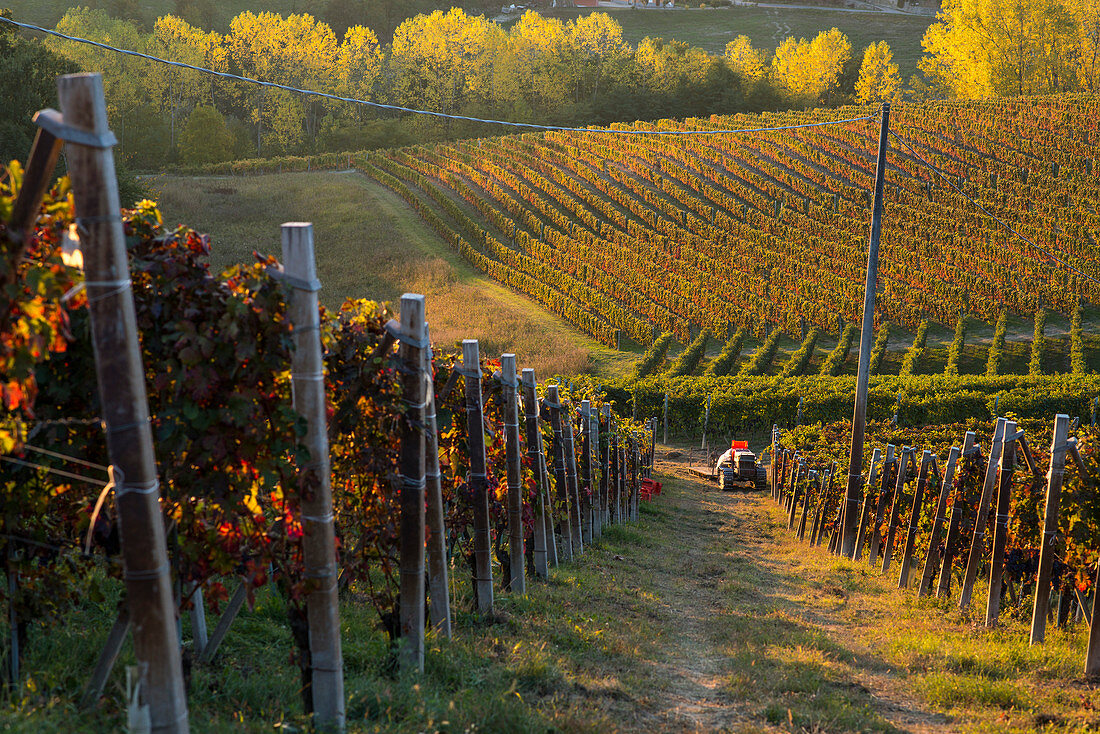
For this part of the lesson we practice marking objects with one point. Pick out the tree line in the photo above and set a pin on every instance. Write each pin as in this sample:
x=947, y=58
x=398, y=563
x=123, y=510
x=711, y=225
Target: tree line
x=540, y=70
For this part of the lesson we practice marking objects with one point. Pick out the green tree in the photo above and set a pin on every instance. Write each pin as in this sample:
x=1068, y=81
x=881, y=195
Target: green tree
x=206, y=138
x=28, y=73
x=878, y=75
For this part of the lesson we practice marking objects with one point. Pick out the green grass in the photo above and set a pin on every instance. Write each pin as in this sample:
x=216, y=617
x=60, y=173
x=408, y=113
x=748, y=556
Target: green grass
x=706, y=614
x=370, y=244
x=767, y=27
x=46, y=13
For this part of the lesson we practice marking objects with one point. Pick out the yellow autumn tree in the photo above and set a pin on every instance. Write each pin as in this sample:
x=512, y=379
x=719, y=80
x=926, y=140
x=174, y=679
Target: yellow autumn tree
x=594, y=50
x=985, y=48
x=298, y=51
x=179, y=90
x=444, y=60
x=807, y=71
x=878, y=75
x=1086, y=17
x=529, y=78
x=744, y=59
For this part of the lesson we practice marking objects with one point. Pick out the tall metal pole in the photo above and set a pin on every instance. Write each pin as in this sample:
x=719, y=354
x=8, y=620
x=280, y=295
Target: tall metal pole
x=866, y=338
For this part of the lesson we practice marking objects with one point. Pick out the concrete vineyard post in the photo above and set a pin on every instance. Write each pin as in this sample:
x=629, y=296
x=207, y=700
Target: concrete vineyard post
x=895, y=506
x=635, y=486
x=794, y=499
x=880, y=507
x=665, y=442
x=516, y=556
x=561, y=513
x=932, y=558
x=548, y=515
x=1092, y=654
x=624, y=493
x=121, y=379
x=439, y=590
x=595, y=485
x=1058, y=448
x=868, y=498
x=605, y=471
x=605, y=478
x=534, y=453
x=866, y=337
x=616, y=480
x=806, y=507
x=571, y=479
x=981, y=515
x=774, y=460
x=326, y=684
x=1000, y=527
x=410, y=355
x=954, y=529
x=479, y=482
x=585, y=485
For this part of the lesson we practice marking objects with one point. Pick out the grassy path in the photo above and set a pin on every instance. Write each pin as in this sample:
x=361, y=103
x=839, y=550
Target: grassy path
x=756, y=631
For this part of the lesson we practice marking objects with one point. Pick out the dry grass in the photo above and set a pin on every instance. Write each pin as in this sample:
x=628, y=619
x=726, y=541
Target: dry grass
x=370, y=244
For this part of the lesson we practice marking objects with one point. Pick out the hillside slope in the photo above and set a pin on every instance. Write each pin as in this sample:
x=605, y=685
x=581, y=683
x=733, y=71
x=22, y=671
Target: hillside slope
x=676, y=233
x=371, y=245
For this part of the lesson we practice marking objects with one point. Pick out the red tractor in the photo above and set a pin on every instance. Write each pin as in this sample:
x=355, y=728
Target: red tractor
x=738, y=469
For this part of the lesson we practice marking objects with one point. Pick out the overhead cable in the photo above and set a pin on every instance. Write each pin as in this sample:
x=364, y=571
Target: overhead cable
x=411, y=110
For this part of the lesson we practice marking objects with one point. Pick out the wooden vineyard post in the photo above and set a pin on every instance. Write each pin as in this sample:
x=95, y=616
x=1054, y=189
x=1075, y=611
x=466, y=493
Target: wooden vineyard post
x=121, y=379
x=534, y=453
x=516, y=555
x=561, y=514
x=932, y=559
x=479, y=481
x=926, y=462
x=571, y=479
x=326, y=667
x=439, y=590
x=411, y=357
x=1000, y=526
x=866, y=337
x=895, y=506
x=868, y=499
x=880, y=506
x=981, y=515
x=585, y=491
x=1058, y=447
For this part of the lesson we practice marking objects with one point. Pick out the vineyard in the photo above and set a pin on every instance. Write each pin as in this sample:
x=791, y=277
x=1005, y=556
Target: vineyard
x=983, y=512
x=274, y=425
x=180, y=440
x=630, y=236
